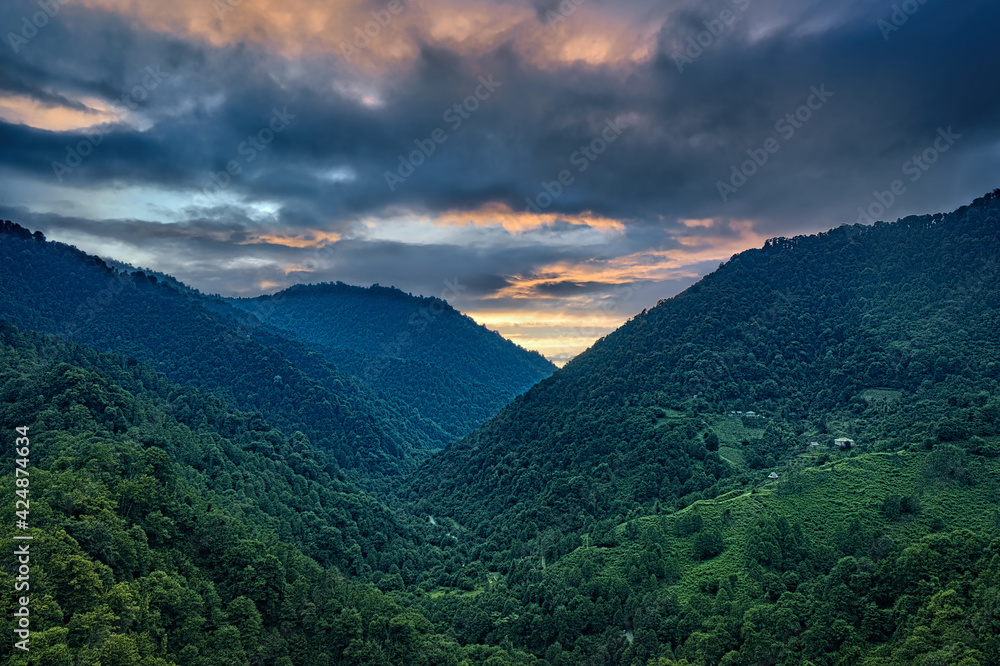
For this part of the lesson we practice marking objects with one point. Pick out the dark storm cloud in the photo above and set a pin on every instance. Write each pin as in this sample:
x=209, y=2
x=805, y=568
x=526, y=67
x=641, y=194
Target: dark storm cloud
x=645, y=141
x=687, y=128
x=564, y=288
x=227, y=256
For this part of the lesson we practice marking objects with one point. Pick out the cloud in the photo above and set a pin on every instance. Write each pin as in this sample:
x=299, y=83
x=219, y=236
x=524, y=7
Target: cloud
x=499, y=214
x=312, y=239
x=560, y=279
x=380, y=35
x=23, y=110
x=310, y=202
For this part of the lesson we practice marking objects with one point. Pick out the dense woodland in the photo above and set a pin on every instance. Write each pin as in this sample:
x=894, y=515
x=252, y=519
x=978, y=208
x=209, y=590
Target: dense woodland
x=622, y=511
x=376, y=427
x=452, y=370
x=799, y=331
x=170, y=530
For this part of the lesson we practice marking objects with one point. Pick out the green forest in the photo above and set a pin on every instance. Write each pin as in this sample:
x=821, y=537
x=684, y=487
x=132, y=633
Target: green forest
x=794, y=461
x=371, y=408
x=452, y=370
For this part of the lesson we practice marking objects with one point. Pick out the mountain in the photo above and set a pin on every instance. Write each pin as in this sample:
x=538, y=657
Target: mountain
x=168, y=530
x=886, y=334
x=796, y=461
x=874, y=559
x=208, y=343
x=677, y=495
x=455, y=372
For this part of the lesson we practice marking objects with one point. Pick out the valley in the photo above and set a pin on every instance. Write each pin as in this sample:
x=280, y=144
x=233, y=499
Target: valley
x=794, y=461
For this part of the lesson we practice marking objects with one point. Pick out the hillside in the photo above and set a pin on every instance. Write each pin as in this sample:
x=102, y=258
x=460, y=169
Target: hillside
x=374, y=422
x=885, y=334
x=675, y=496
x=53, y=288
x=169, y=530
x=877, y=559
x=422, y=351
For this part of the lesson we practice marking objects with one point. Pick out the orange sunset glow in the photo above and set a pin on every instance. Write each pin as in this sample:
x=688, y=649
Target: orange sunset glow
x=296, y=28
x=550, y=167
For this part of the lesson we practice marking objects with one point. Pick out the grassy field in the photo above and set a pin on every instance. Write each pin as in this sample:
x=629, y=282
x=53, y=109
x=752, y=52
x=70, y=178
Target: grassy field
x=733, y=456
x=668, y=415
x=731, y=430
x=822, y=500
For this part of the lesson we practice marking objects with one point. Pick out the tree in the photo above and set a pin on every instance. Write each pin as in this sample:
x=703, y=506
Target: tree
x=950, y=463
x=711, y=441
x=708, y=544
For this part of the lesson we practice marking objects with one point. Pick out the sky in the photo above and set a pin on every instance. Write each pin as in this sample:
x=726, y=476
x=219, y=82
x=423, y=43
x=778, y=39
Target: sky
x=550, y=167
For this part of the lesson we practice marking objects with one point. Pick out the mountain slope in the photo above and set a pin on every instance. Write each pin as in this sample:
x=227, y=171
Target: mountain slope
x=848, y=558
x=806, y=331
x=209, y=344
x=168, y=530
x=421, y=350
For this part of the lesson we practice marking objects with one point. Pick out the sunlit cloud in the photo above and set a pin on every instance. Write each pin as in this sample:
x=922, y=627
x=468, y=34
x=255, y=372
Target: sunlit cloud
x=488, y=225
x=592, y=36
x=366, y=36
x=311, y=239
x=55, y=118
x=706, y=223
x=498, y=214
x=648, y=265
x=561, y=308
x=543, y=319
x=560, y=333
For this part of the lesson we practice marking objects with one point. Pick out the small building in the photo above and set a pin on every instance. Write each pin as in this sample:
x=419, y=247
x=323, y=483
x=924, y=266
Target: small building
x=772, y=475
x=844, y=443
x=812, y=444
x=752, y=415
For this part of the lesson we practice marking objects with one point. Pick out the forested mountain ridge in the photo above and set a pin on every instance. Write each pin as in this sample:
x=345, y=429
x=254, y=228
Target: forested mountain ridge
x=208, y=343
x=799, y=332
x=54, y=288
x=874, y=559
x=421, y=350
x=168, y=530
x=673, y=497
